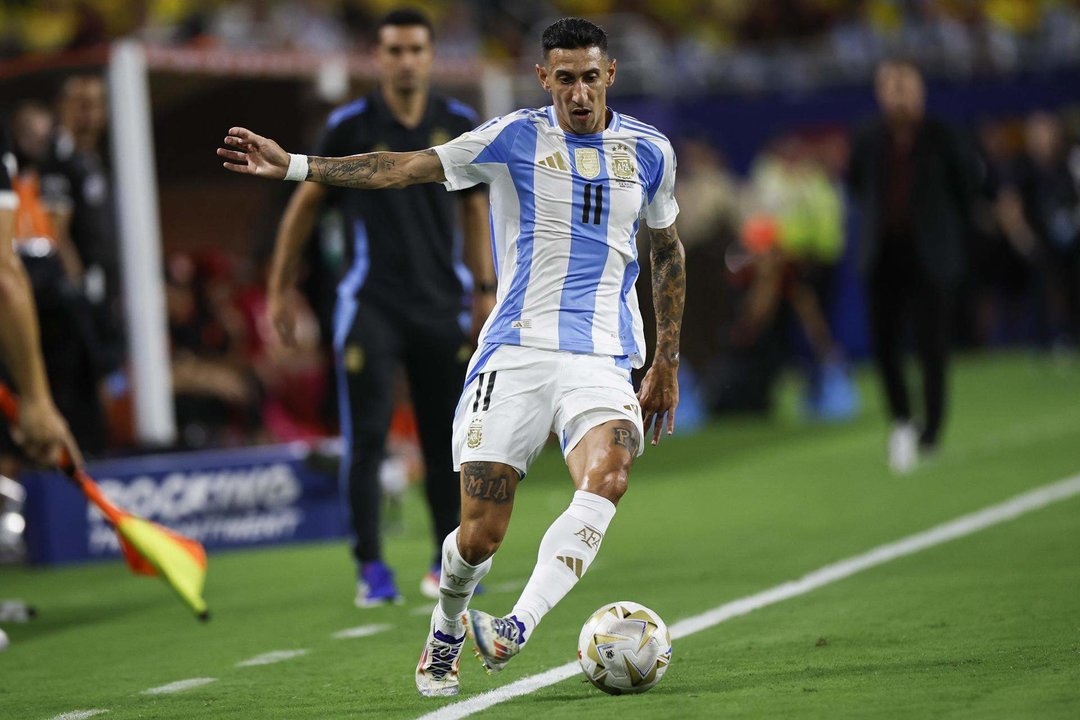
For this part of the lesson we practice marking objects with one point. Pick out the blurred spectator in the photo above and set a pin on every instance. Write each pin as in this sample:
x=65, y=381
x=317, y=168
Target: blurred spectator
x=75, y=176
x=763, y=44
x=795, y=236
x=69, y=340
x=295, y=378
x=217, y=398
x=1048, y=193
x=914, y=188
x=41, y=219
x=1003, y=248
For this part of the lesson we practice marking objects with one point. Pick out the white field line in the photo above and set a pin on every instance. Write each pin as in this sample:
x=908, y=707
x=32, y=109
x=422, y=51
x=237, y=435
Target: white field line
x=960, y=527
x=361, y=631
x=269, y=658
x=79, y=714
x=179, y=686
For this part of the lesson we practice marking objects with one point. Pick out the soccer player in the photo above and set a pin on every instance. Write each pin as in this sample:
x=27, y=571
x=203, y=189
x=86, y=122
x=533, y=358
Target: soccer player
x=403, y=298
x=41, y=430
x=569, y=185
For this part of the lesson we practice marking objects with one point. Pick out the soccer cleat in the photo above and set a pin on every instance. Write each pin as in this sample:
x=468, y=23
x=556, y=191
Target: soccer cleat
x=496, y=639
x=437, y=671
x=376, y=586
x=903, y=448
x=429, y=584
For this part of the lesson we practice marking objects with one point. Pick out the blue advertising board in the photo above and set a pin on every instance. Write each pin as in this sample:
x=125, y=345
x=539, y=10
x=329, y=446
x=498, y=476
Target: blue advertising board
x=223, y=499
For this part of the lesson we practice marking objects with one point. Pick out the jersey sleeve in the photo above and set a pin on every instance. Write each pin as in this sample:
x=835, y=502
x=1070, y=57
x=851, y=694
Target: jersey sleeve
x=471, y=158
x=661, y=209
x=463, y=119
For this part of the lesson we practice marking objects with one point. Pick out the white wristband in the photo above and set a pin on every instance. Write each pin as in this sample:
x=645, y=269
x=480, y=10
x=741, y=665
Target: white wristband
x=298, y=168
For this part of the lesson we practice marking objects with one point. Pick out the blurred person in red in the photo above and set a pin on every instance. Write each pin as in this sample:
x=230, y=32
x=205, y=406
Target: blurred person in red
x=417, y=257
x=294, y=377
x=216, y=393
x=914, y=187
x=41, y=430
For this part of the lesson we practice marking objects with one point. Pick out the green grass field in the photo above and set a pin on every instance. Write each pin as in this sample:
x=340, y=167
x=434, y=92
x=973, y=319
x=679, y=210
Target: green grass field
x=987, y=626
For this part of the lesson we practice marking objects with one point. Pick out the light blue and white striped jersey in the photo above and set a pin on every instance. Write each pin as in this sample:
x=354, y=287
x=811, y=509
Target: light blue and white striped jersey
x=565, y=210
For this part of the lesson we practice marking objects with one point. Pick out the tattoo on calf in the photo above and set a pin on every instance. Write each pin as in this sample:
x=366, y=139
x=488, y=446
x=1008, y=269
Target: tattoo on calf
x=483, y=482
x=625, y=438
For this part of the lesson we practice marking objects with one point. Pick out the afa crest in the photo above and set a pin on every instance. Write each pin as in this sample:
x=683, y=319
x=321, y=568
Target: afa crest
x=475, y=435
x=587, y=161
x=622, y=163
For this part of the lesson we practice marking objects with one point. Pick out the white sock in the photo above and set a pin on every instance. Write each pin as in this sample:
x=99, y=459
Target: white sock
x=566, y=552
x=457, y=581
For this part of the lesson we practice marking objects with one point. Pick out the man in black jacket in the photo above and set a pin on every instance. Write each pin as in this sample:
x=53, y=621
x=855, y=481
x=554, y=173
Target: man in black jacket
x=913, y=186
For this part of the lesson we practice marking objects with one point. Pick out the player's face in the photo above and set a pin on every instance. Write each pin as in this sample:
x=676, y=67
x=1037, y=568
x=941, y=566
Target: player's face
x=578, y=81
x=83, y=108
x=404, y=56
x=900, y=92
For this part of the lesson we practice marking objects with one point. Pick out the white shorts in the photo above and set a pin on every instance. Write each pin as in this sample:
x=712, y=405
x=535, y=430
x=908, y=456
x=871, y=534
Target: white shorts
x=515, y=396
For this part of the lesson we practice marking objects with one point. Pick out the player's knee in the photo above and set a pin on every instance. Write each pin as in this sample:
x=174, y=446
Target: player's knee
x=478, y=541
x=610, y=482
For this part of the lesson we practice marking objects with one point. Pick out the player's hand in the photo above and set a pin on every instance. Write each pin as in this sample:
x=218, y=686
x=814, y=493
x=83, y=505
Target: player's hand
x=44, y=435
x=482, y=305
x=659, y=396
x=281, y=312
x=251, y=154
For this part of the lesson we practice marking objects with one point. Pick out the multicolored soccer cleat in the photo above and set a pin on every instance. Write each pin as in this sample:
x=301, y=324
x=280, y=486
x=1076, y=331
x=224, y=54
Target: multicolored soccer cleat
x=437, y=671
x=496, y=639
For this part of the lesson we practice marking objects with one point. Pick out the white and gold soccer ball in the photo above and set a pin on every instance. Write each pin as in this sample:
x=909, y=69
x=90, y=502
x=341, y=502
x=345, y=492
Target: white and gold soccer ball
x=624, y=648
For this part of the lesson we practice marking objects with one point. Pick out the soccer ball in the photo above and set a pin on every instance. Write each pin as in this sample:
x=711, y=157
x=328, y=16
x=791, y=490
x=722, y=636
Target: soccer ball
x=624, y=648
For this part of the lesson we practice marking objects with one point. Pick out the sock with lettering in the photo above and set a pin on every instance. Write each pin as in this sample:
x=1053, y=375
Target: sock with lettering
x=457, y=582
x=568, y=548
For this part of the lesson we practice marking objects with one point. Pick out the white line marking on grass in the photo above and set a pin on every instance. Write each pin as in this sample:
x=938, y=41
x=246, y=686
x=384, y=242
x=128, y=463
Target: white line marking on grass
x=422, y=610
x=269, y=658
x=961, y=526
x=179, y=686
x=361, y=631
x=79, y=714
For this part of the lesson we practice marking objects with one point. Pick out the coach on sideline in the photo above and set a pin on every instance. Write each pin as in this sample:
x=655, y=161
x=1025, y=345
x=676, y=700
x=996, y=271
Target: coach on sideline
x=403, y=298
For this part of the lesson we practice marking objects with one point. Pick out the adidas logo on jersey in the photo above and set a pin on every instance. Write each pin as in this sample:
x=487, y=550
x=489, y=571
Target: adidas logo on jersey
x=555, y=162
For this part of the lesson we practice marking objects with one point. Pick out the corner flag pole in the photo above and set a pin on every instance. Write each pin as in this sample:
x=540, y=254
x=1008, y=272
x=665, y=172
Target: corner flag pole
x=148, y=548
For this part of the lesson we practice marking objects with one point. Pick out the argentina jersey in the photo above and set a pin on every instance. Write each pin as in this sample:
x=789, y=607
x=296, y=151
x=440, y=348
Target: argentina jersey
x=565, y=212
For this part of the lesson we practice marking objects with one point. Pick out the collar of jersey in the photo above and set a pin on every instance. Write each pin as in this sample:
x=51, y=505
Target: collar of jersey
x=553, y=123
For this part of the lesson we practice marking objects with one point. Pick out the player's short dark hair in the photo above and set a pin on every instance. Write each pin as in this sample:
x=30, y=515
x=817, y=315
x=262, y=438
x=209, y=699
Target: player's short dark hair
x=571, y=33
x=405, y=17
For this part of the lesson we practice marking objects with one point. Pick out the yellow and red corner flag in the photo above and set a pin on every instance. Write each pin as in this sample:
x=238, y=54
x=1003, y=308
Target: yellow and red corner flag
x=148, y=548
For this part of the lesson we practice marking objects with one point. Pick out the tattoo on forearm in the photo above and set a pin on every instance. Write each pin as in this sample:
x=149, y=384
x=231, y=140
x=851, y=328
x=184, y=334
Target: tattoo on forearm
x=486, y=481
x=353, y=171
x=669, y=289
x=366, y=171
x=626, y=438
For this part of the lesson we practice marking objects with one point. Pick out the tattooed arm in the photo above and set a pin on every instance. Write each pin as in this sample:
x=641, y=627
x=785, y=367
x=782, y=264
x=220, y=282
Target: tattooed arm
x=659, y=393
x=251, y=154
